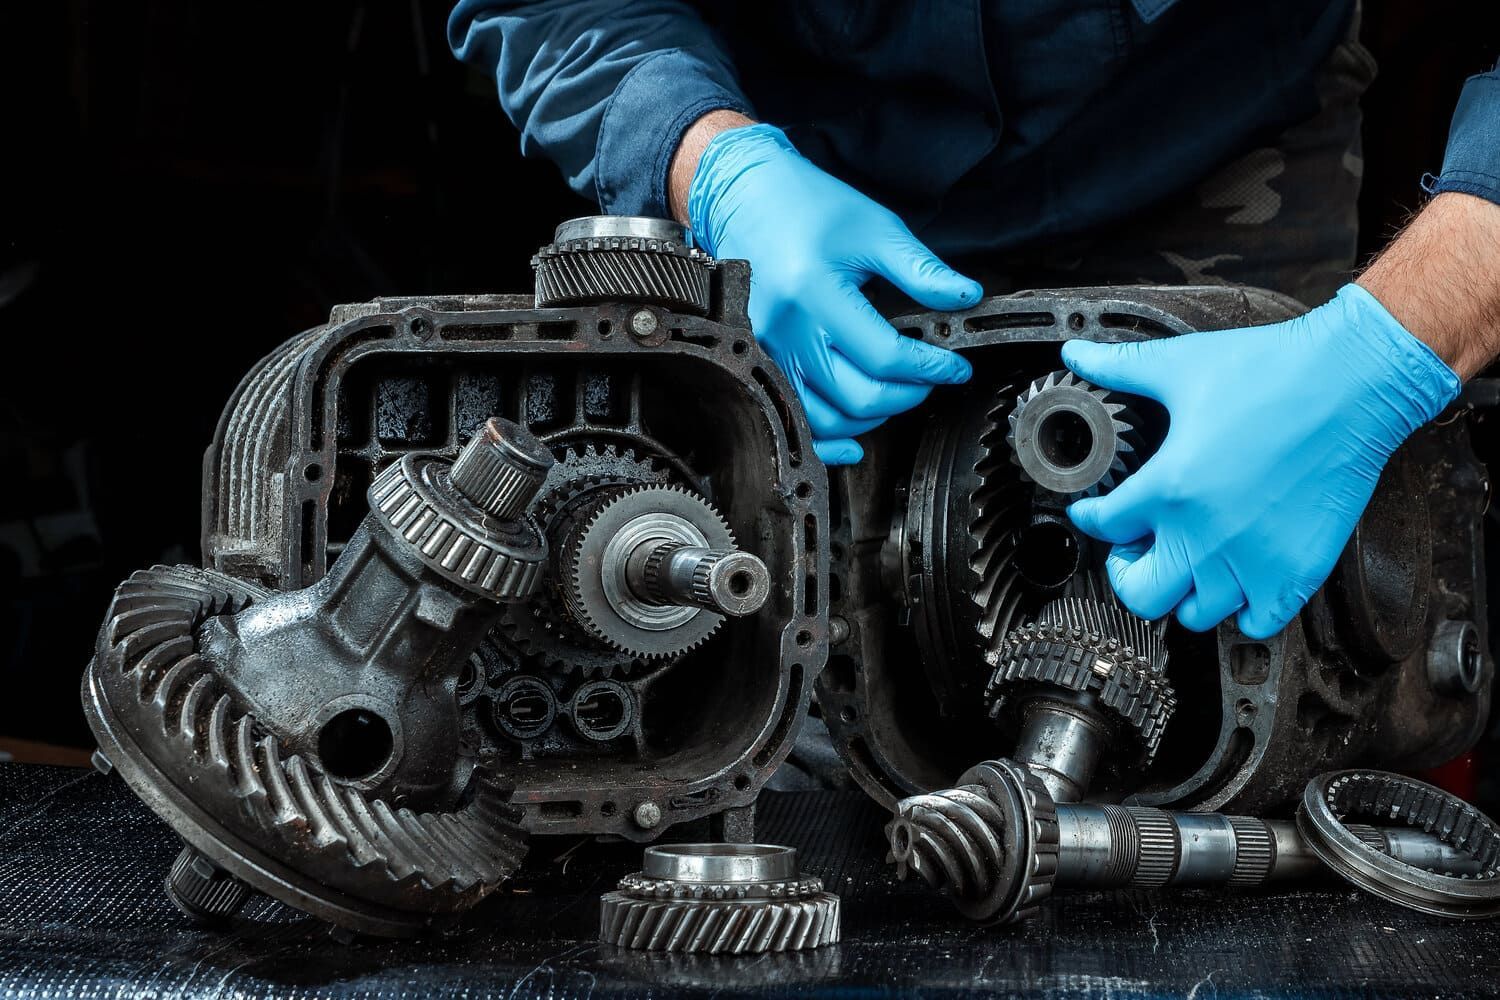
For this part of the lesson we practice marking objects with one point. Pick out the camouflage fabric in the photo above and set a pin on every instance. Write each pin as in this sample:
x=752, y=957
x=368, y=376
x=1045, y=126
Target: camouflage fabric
x=1283, y=216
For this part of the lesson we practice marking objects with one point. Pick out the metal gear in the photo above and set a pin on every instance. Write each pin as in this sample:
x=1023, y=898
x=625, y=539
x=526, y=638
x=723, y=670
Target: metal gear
x=597, y=542
x=623, y=258
x=732, y=899
x=542, y=627
x=990, y=844
x=1093, y=647
x=1072, y=438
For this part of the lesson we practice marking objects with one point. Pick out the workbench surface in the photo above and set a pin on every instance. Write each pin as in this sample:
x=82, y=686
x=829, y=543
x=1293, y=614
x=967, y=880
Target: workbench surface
x=82, y=915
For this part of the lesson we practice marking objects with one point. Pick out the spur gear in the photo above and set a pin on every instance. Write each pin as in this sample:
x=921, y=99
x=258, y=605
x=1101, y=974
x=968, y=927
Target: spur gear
x=719, y=899
x=595, y=572
x=1070, y=437
x=542, y=627
x=1083, y=673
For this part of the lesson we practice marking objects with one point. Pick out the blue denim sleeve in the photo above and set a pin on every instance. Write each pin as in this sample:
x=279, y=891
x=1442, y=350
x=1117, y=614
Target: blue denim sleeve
x=1472, y=162
x=603, y=88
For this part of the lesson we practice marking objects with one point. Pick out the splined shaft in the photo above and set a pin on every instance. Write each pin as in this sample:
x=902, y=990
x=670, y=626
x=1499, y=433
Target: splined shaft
x=726, y=581
x=997, y=844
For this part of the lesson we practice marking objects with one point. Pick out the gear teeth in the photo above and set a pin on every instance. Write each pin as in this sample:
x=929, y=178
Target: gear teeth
x=739, y=928
x=1122, y=419
x=1090, y=645
x=990, y=844
x=604, y=269
x=578, y=602
x=454, y=858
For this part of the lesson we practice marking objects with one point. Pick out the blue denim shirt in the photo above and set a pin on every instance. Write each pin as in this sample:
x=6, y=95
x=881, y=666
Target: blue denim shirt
x=986, y=124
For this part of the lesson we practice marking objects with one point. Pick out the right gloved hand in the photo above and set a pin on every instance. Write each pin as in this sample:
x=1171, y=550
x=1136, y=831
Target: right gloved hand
x=812, y=241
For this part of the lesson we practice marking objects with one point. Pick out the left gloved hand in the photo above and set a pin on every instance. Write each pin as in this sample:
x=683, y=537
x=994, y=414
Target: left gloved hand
x=1278, y=435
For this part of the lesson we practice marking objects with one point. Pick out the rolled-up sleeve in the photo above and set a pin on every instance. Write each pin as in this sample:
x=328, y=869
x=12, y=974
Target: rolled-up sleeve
x=603, y=88
x=1472, y=163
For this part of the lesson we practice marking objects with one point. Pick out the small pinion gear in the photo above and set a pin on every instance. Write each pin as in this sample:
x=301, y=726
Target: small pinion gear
x=1072, y=438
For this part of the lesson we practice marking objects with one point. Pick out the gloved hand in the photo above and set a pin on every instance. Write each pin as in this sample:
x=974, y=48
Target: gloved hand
x=812, y=241
x=1277, y=437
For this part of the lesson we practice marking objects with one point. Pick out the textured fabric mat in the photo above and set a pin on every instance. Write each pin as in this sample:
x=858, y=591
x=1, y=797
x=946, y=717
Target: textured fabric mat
x=82, y=915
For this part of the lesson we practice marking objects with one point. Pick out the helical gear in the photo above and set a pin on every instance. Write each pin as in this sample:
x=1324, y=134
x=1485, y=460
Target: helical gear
x=583, y=566
x=614, y=267
x=1114, y=437
x=767, y=907
x=990, y=843
x=1095, y=647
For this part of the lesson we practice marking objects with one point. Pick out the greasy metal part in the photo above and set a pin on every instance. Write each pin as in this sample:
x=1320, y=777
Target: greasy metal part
x=1070, y=437
x=1455, y=660
x=202, y=890
x=294, y=739
x=618, y=594
x=623, y=259
x=732, y=899
x=997, y=845
x=725, y=581
x=1453, y=890
x=1085, y=676
x=936, y=523
x=624, y=394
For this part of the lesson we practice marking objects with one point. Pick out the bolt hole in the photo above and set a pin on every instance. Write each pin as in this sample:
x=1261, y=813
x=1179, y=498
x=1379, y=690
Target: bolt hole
x=942, y=330
x=848, y=713
x=1065, y=439
x=1076, y=321
x=804, y=490
x=313, y=472
x=605, y=328
x=355, y=744
x=740, y=583
x=742, y=781
x=804, y=637
x=1245, y=709
x=740, y=347
x=420, y=326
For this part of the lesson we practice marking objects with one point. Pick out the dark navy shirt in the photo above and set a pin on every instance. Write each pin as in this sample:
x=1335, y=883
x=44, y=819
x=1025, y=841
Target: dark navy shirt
x=986, y=124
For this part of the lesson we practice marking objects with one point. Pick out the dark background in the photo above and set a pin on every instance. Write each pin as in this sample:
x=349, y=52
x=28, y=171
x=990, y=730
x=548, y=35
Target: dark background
x=185, y=184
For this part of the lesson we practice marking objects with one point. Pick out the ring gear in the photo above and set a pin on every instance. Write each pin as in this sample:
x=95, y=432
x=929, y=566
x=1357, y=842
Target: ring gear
x=585, y=568
x=1094, y=647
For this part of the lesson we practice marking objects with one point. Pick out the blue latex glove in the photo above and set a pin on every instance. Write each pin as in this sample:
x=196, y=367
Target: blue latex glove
x=1277, y=437
x=812, y=241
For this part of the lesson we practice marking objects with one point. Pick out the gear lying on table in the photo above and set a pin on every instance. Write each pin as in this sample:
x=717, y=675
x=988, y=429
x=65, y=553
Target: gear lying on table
x=719, y=899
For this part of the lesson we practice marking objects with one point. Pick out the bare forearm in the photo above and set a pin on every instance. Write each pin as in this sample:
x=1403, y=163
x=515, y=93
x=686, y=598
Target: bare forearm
x=689, y=151
x=1441, y=279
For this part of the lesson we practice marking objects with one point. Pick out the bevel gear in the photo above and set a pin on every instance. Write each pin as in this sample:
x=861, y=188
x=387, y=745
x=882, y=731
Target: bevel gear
x=593, y=565
x=1071, y=437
